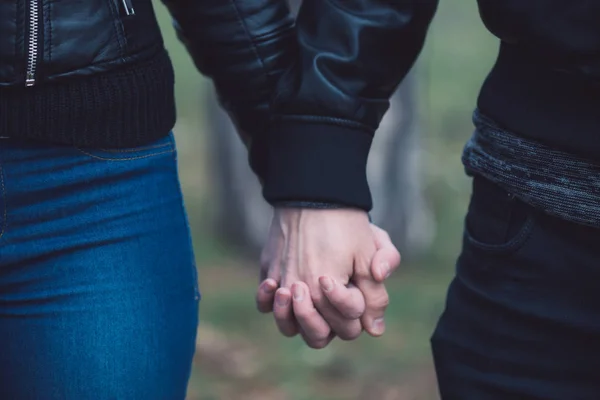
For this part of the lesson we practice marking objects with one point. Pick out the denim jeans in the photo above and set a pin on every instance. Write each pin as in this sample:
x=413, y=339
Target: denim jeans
x=98, y=286
x=522, y=317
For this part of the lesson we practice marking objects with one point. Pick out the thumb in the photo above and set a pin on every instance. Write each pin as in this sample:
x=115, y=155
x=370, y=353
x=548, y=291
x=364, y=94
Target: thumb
x=348, y=300
x=387, y=258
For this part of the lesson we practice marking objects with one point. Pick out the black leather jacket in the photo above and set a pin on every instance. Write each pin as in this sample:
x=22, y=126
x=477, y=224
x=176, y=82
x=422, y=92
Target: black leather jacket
x=43, y=41
x=306, y=97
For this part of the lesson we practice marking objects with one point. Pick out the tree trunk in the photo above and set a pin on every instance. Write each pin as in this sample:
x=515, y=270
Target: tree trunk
x=396, y=174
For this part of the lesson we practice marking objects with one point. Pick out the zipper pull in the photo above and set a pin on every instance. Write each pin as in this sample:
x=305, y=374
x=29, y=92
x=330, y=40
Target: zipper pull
x=128, y=6
x=30, y=79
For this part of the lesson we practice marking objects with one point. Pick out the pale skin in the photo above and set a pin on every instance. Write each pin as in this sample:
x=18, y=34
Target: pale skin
x=322, y=274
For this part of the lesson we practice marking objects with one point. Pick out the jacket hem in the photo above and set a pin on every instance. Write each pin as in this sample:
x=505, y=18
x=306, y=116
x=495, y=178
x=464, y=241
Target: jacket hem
x=125, y=107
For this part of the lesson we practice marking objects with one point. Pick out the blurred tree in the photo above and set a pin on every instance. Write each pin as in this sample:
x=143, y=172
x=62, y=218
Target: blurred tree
x=394, y=170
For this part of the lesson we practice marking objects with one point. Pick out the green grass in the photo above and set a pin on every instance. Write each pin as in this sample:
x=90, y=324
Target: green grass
x=240, y=353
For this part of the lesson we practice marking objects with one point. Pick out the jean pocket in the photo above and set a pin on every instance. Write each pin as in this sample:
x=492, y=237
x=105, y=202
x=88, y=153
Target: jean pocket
x=165, y=145
x=497, y=221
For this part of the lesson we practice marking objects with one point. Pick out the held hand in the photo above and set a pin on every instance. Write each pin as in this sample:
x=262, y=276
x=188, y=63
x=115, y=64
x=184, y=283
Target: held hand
x=370, y=282
x=312, y=255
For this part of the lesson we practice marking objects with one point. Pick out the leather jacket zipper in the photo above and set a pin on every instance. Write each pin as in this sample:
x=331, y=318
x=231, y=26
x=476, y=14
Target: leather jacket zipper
x=32, y=50
x=128, y=7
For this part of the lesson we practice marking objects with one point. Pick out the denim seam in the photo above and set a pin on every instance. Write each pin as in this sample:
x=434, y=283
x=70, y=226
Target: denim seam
x=124, y=159
x=196, y=283
x=3, y=197
x=136, y=149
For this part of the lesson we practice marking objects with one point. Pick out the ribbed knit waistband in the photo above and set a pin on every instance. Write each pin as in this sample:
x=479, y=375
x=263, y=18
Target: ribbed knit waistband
x=122, y=108
x=556, y=182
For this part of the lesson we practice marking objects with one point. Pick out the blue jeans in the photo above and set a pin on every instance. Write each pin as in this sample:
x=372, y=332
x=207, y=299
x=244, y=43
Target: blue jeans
x=522, y=317
x=98, y=285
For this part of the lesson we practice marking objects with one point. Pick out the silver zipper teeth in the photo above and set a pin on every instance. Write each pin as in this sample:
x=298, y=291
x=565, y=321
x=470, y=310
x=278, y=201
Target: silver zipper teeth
x=128, y=8
x=33, y=43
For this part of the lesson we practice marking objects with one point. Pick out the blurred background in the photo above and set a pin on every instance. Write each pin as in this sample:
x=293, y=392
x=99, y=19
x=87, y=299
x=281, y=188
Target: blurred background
x=420, y=194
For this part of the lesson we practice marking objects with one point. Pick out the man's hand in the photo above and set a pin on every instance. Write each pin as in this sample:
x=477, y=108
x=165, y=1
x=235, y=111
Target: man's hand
x=326, y=265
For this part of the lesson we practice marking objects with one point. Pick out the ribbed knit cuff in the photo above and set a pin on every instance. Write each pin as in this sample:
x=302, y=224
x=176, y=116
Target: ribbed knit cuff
x=316, y=162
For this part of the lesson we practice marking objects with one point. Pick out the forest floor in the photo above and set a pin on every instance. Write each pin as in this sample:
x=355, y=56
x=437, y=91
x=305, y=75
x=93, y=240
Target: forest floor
x=241, y=356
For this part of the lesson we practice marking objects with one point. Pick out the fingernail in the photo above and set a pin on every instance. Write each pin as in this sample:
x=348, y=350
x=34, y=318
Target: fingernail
x=379, y=326
x=268, y=287
x=298, y=293
x=282, y=301
x=385, y=270
x=326, y=283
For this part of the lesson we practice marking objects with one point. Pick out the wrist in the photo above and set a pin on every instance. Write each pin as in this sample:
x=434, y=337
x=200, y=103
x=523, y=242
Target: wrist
x=315, y=205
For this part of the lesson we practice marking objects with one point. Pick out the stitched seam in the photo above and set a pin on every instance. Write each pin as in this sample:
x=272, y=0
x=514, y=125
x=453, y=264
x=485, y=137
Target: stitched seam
x=136, y=149
x=19, y=33
x=50, y=28
x=269, y=35
x=119, y=28
x=3, y=196
x=514, y=244
x=317, y=119
x=124, y=159
x=253, y=44
x=186, y=222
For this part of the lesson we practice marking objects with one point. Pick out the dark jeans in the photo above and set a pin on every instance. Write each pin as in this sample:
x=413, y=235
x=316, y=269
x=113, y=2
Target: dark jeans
x=98, y=289
x=522, y=318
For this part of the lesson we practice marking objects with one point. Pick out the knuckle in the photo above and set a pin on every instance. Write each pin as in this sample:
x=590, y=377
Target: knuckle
x=317, y=295
x=318, y=299
x=381, y=302
x=353, y=313
x=351, y=308
x=362, y=273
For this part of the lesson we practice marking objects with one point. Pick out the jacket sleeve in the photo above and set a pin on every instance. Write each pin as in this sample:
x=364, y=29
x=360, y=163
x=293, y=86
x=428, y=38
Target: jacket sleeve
x=244, y=46
x=307, y=101
x=352, y=55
